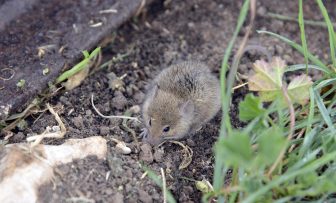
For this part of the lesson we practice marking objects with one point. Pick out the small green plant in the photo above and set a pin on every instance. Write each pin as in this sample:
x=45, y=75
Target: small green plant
x=21, y=83
x=80, y=66
x=287, y=150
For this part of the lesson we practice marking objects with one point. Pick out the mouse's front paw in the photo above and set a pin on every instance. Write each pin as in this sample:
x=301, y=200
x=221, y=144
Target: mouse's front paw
x=144, y=133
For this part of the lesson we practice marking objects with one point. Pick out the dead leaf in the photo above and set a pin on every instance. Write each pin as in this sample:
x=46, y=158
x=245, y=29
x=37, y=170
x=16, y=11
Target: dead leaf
x=187, y=154
x=298, y=89
x=75, y=80
x=268, y=81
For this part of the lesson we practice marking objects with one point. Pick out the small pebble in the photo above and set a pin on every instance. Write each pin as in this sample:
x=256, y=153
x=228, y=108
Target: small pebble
x=122, y=148
x=88, y=112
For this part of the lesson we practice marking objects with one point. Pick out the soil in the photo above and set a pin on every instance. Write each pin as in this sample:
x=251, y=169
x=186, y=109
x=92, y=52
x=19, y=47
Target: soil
x=168, y=32
x=29, y=45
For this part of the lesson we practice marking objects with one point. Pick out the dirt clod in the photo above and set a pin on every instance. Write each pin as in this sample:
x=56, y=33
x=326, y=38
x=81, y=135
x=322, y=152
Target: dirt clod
x=144, y=196
x=18, y=137
x=158, y=155
x=119, y=101
x=146, y=154
x=104, y=130
x=117, y=198
x=78, y=122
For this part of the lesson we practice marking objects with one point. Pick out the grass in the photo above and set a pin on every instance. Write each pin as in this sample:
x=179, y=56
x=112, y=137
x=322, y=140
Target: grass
x=302, y=34
x=267, y=163
x=331, y=31
x=218, y=181
x=80, y=66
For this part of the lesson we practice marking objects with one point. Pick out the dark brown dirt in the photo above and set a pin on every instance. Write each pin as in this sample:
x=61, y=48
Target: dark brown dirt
x=168, y=32
x=61, y=30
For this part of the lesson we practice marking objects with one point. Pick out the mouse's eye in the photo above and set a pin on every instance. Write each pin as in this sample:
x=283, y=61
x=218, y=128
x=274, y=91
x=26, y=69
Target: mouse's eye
x=166, y=129
x=150, y=122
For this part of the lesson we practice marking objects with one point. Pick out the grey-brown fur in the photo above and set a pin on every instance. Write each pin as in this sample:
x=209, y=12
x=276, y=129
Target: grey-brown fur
x=183, y=97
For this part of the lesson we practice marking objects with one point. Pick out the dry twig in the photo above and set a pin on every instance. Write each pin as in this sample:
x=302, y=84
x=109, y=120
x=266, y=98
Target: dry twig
x=48, y=133
x=164, y=186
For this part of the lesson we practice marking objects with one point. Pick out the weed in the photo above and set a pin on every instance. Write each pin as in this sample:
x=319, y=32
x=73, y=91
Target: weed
x=80, y=66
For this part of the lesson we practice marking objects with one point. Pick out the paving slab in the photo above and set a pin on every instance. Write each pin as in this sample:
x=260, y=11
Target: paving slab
x=62, y=28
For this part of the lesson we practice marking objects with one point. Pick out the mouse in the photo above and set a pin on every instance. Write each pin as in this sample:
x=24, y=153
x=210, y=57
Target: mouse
x=179, y=101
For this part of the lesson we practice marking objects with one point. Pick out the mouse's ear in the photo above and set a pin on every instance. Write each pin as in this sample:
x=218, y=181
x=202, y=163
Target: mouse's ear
x=155, y=90
x=187, y=108
x=151, y=94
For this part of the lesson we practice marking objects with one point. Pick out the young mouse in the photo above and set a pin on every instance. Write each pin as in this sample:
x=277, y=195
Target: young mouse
x=180, y=100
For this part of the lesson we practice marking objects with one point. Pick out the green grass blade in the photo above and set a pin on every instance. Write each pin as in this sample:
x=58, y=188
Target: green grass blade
x=225, y=65
x=80, y=66
x=302, y=34
x=299, y=48
x=325, y=83
x=332, y=42
x=218, y=176
x=324, y=112
x=311, y=110
x=307, y=142
x=297, y=67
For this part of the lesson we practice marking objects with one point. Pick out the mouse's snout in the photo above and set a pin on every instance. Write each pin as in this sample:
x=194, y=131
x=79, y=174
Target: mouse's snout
x=149, y=138
x=153, y=140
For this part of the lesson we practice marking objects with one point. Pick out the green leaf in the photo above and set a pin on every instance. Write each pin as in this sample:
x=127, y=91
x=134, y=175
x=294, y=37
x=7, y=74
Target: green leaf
x=298, y=89
x=250, y=108
x=271, y=95
x=270, y=143
x=235, y=150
